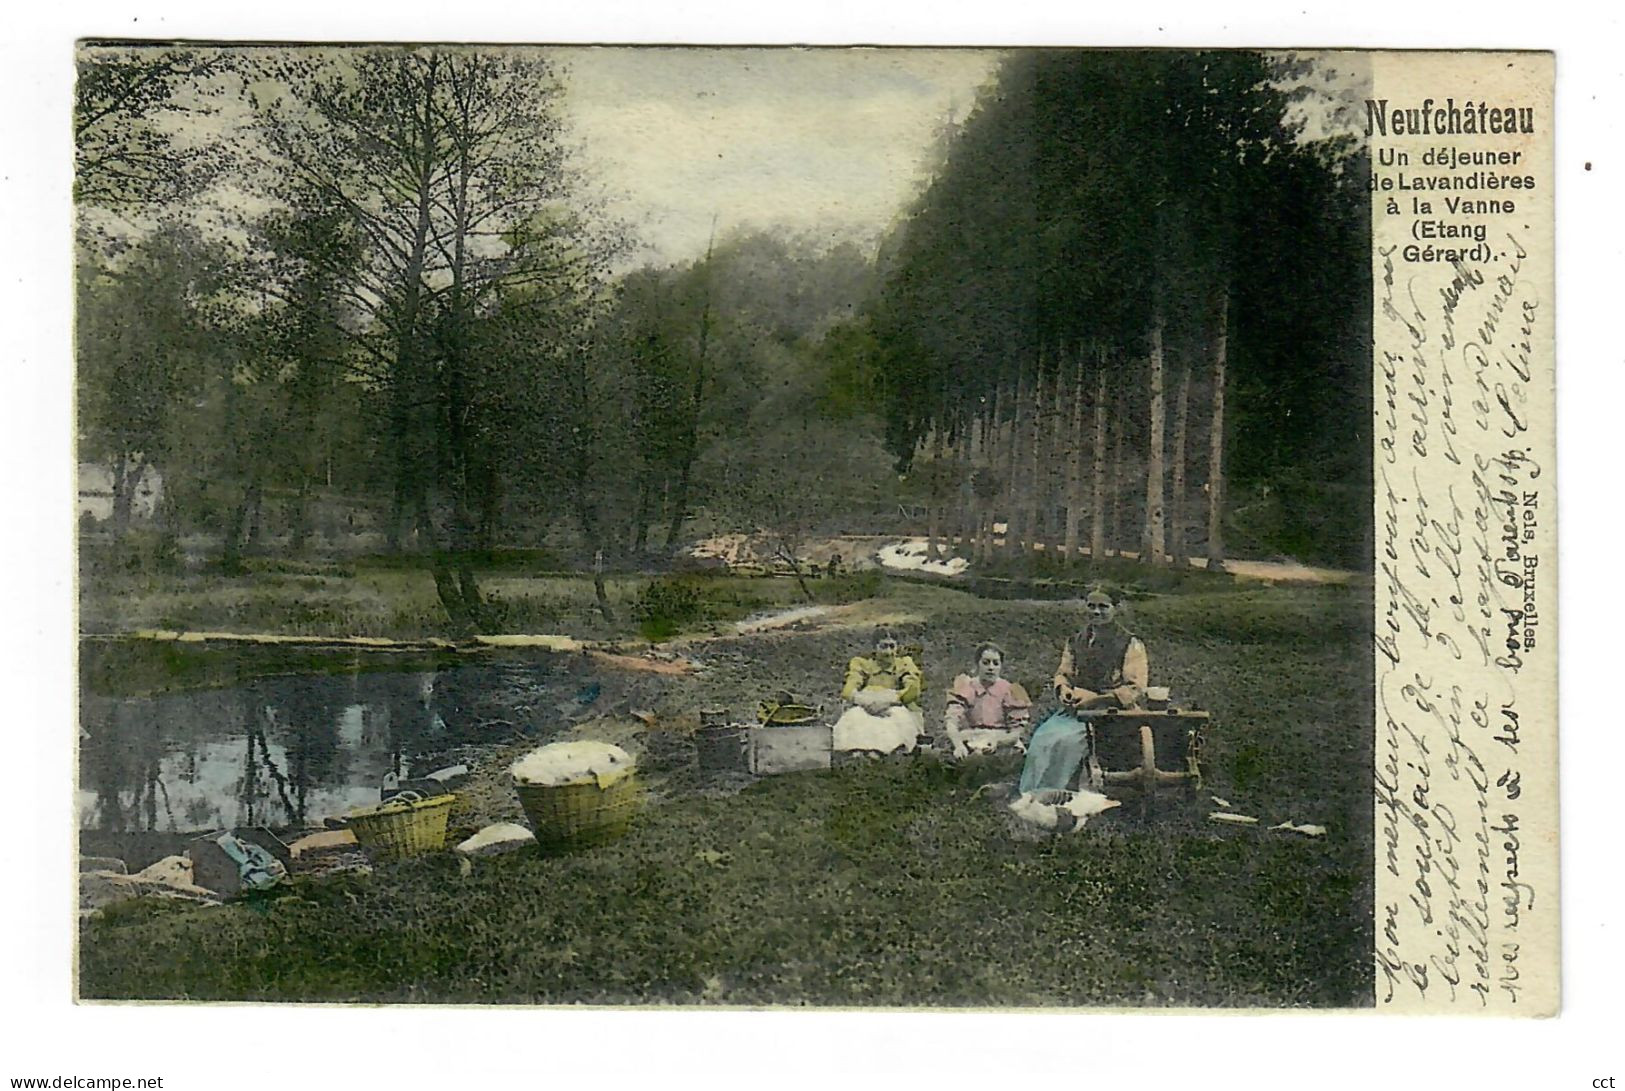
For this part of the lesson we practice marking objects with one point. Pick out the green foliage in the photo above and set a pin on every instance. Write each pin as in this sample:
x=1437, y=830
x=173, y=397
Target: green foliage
x=146, y=333
x=477, y=377
x=667, y=606
x=849, y=587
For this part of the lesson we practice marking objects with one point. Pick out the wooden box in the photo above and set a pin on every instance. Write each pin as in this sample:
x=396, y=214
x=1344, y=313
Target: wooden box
x=790, y=749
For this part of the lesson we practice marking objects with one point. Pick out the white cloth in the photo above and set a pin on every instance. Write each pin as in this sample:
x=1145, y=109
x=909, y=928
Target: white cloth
x=983, y=740
x=896, y=730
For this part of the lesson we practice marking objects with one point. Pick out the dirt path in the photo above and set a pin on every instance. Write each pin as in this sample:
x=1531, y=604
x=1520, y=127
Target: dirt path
x=1268, y=571
x=892, y=553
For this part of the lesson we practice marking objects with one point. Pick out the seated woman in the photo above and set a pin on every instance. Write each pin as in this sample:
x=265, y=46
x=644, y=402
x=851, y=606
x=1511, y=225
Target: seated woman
x=1103, y=665
x=884, y=691
x=986, y=711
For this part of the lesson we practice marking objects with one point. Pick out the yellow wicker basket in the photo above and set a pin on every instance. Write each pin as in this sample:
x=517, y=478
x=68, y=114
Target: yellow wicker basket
x=401, y=828
x=580, y=814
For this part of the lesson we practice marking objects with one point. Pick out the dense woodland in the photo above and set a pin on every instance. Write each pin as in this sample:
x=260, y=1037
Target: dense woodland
x=369, y=298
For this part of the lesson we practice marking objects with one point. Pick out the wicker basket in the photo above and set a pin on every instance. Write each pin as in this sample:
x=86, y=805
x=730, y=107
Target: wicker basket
x=402, y=827
x=586, y=812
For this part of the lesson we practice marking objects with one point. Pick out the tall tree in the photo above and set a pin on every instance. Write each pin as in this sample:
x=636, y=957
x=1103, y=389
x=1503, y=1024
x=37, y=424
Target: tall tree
x=450, y=167
x=1215, y=458
x=1097, y=495
x=1074, y=465
x=1176, y=509
x=1152, y=543
x=694, y=404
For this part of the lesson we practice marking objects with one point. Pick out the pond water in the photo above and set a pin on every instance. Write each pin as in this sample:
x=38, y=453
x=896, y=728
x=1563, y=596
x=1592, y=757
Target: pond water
x=290, y=750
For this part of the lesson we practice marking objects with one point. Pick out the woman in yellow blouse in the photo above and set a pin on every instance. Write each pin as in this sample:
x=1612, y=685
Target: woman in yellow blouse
x=883, y=692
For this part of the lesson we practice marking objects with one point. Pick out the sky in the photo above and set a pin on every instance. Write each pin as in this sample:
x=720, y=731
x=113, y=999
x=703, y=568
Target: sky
x=824, y=142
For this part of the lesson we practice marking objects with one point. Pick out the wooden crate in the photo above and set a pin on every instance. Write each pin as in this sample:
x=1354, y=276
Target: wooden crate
x=790, y=749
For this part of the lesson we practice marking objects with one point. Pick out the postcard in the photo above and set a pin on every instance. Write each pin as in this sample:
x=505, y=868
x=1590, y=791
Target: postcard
x=860, y=528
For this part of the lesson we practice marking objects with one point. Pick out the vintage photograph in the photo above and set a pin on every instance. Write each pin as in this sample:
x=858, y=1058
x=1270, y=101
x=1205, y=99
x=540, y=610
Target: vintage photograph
x=742, y=527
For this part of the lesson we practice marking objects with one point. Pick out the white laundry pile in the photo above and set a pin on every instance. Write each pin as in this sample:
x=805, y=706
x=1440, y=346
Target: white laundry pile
x=912, y=556
x=897, y=728
x=987, y=740
x=569, y=762
x=1079, y=807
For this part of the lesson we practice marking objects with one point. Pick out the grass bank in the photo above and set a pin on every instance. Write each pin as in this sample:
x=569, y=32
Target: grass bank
x=388, y=598
x=882, y=884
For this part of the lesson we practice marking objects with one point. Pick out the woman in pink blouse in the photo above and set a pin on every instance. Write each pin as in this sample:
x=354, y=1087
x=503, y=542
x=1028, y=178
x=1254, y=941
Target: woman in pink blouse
x=987, y=711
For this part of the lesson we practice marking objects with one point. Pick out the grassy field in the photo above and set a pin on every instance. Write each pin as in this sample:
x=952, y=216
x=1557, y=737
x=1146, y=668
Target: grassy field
x=886, y=884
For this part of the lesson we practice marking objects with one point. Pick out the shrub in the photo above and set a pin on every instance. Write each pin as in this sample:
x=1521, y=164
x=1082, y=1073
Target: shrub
x=665, y=606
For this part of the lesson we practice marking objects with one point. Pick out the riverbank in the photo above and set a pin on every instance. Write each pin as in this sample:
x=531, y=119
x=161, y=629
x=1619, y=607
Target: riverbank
x=384, y=600
x=883, y=884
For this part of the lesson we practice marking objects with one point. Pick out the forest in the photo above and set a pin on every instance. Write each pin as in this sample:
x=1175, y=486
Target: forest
x=371, y=301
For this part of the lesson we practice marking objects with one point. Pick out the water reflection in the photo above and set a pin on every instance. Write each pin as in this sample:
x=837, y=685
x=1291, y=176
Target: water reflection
x=284, y=750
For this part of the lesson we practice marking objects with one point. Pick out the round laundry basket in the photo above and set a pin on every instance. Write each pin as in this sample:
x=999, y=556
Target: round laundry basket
x=402, y=827
x=593, y=810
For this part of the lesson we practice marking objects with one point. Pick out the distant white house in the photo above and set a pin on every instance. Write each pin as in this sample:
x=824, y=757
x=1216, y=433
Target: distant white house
x=96, y=492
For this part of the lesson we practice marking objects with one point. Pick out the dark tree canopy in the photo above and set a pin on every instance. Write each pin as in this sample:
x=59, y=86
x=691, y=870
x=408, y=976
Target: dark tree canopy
x=1092, y=195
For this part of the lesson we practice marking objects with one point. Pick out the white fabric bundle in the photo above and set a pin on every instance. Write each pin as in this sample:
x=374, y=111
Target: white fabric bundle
x=1081, y=806
x=568, y=762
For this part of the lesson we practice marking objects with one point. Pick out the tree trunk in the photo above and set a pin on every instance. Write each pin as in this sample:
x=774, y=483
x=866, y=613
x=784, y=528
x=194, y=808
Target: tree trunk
x=255, y=535
x=640, y=516
x=1034, y=484
x=679, y=511
x=1153, y=540
x=581, y=453
x=1012, y=489
x=959, y=532
x=1059, y=457
x=465, y=453
x=691, y=446
x=1116, y=543
x=934, y=493
x=299, y=521
x=454, y=584
x=1074, y=468
x=410, y=386
x=987, y=495
x=1215, y=458
x=490, y=506
x=231, y=548
x=395, y=530
x=601, y=592
x=967, y=493
x=1176, y=507
x=1097, y=509
x=126, y=479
